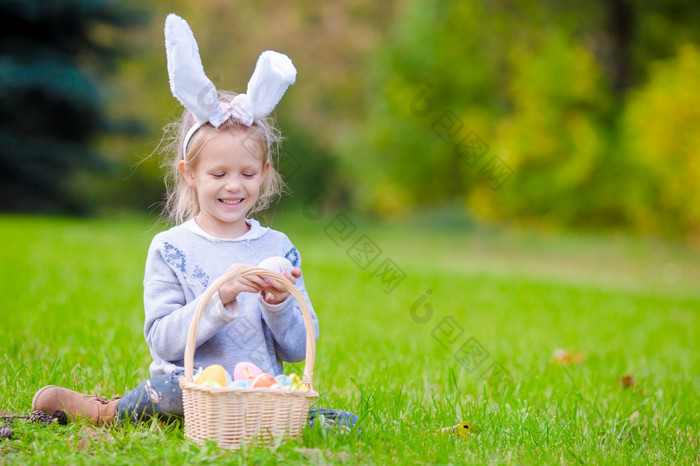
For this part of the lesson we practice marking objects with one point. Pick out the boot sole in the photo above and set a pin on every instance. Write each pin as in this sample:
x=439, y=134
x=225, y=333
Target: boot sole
x=37, y=394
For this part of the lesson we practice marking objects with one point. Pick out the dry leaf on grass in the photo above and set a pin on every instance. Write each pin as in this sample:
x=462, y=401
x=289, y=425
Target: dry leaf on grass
x=626, y=381
x=564, y=357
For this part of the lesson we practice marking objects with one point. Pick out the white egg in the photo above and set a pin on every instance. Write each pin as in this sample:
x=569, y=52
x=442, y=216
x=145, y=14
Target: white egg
x=276, y=264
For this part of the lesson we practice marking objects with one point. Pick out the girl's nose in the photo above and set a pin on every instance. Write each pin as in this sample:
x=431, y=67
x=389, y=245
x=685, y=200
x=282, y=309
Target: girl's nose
x=232, y=185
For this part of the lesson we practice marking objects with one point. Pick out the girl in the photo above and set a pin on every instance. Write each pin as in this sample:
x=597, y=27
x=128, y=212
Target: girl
x=221, y=171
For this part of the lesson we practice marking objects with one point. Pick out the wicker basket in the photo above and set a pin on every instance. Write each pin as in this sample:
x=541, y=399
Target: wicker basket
x=230, y=416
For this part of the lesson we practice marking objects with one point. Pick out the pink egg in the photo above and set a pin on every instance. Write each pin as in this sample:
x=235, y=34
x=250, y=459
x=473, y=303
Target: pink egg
x=246, y=371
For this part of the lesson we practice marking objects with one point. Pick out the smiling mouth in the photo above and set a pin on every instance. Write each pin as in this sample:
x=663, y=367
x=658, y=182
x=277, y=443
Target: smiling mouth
x=231, y=201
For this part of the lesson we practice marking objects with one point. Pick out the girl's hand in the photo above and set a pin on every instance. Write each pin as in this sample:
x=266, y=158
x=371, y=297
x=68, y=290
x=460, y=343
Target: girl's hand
x=248, y=284
x=273, y=292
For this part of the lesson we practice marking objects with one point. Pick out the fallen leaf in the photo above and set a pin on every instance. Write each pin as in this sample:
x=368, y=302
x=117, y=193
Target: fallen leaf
x=626, y=381
x=564, y=357
x=463, y=429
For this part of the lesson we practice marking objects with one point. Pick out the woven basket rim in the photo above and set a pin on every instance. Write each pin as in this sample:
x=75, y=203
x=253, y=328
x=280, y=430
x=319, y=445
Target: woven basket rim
x=184, y=384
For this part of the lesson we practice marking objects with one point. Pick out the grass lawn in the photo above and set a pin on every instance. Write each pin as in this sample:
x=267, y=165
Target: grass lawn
x=421, y=328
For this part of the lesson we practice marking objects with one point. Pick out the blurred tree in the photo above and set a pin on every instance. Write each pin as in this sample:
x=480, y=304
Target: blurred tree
x=661, y=128
x=554, y=136
x=51, y=53
x=619, y=25
x=398, y=104
x=519, y=110
x=436, y=89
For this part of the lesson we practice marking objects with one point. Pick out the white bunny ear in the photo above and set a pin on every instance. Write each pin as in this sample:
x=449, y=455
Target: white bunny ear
x=274, y=73
x=188, y=82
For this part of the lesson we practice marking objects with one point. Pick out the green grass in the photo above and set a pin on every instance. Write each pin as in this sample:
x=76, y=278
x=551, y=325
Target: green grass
x=71, y=314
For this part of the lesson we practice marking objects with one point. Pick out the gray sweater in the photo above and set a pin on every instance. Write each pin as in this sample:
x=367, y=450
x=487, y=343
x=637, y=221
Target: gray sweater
x=181, y=263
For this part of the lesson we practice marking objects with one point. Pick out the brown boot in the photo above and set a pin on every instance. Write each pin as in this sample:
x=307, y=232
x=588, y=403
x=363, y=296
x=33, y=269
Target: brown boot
x=97, y=409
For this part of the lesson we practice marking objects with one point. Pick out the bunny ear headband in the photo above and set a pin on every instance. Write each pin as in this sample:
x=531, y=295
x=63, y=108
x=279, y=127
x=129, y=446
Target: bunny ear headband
x=273, y=74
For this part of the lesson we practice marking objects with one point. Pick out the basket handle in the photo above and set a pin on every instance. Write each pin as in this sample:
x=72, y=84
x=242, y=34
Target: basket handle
x=242, y=271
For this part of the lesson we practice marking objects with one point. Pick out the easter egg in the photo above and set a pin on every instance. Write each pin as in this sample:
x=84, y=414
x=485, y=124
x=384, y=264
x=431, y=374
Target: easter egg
x=264, y=381
x=214, y=373
x=297, y=383
x=277, y=264
x=283, y=381
x=246, y=371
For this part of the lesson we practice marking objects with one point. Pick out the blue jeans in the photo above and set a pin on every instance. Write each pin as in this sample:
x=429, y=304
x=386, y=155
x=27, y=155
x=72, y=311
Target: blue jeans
x=161, y=397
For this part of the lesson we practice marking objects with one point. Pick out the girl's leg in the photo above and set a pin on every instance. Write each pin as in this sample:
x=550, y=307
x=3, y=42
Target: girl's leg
x=159, y=396
x=344, y=421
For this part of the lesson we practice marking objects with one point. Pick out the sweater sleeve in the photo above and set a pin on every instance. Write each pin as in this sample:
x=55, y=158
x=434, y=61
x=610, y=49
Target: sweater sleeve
x=286, y=323
x=169, y=313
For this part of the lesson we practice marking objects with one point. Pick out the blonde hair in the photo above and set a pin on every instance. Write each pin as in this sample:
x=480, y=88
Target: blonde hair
x=181, y=203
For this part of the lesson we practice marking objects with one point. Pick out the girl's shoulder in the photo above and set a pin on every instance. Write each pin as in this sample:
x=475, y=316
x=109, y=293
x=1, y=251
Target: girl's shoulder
x=275, y=235
x=182, y=240
x=174, y=233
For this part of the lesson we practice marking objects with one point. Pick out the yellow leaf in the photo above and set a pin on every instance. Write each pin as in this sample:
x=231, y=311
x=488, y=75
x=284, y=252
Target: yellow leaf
x=463, y=429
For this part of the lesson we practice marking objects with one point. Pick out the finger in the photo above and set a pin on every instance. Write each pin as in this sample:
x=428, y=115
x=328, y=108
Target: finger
x=275, y=286
x=238, y=289
x=268, y=280
x=290, y=277
x=255, y=281
x=249, y=286
x=272, y=288
x=270, y=298
x=277, y=298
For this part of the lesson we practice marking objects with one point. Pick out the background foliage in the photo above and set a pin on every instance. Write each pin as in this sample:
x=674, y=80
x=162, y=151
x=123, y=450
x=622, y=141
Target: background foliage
x=52, y=55
x=589, y=108
x=586, y=104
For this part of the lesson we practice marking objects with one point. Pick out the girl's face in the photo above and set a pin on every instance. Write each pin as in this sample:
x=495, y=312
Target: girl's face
x=227, y=175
